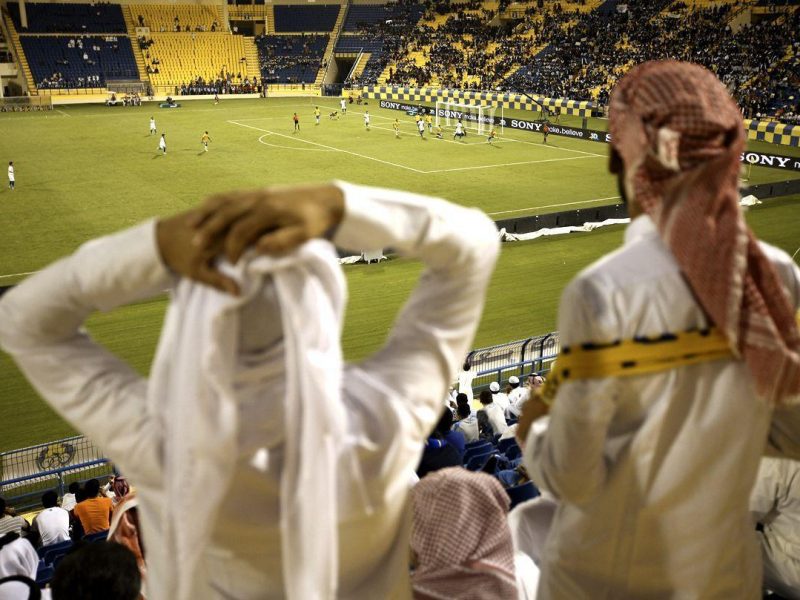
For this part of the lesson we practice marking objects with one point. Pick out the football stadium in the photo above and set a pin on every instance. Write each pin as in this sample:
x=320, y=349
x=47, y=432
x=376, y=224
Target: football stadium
x=516, y=308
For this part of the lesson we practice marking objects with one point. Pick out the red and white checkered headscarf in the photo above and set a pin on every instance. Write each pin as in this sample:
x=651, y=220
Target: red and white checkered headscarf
x=461, y=537
x=680, y=135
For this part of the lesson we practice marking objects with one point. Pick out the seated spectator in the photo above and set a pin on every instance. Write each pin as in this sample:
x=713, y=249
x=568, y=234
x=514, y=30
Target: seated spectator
x=17, y=556
x=775, y=505
x=500, y=398
x=485, y=429
x=460, y=541
x=95, y=511
x=119, y=489
x=10, y=522
x=438, y=453
x=467, y=423
x=445, y=428
x=494, y=412
x=52, y=524
x=517, y=396
x=97, y=571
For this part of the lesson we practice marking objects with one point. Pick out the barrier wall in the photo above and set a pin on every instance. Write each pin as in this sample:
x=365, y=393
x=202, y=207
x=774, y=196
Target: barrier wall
x=506, y=100
x=773, y=132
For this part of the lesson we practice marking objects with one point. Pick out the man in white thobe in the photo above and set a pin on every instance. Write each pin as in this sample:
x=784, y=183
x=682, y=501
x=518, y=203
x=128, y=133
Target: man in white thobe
x=653, y=471
x=517, y=397
x=390, y=403
x=500, y=398
x=775, y=503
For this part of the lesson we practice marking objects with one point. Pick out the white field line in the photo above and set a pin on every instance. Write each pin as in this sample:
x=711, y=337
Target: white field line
x=420, y=171
x=385, y=162
x=516, y=210
x=513, y=164
x=17, y=274
x=58, y=110
x=499, y=139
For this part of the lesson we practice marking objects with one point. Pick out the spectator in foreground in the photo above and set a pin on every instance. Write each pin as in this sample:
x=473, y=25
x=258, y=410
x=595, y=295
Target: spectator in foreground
x=247, y=383
x=95, y=511
x=775, y=504
x=652, y=448
x=10, y=522
x=460, y=541
x=17, y=556
x=97, y=571
x=52, y=524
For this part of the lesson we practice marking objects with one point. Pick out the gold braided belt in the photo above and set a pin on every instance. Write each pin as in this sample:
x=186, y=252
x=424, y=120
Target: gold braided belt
x=626, y=358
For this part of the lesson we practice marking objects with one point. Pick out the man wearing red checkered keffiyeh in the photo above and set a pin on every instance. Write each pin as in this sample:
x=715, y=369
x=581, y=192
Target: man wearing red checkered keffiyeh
x=653, y=469
x=460, y=538
x=678, y=136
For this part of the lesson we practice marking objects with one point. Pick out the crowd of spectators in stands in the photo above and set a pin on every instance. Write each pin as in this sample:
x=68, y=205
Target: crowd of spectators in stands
x=581, y=54
x=291, y=58
x=225, y=83
x=70, y=538
x=396, y=35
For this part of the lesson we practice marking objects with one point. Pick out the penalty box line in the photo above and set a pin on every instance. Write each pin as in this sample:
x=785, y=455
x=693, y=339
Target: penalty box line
x=385, y=162
x=420, y=171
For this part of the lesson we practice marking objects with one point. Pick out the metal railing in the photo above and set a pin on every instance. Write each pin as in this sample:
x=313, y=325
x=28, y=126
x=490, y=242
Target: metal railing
x=520, y=358
x=28, y=472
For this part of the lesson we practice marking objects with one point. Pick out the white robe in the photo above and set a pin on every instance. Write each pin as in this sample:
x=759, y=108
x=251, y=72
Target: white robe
x=775, y=503
x=654, y=472
x=391, y=400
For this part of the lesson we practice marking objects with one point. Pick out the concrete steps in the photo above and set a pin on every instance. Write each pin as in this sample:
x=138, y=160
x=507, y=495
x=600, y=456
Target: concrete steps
x=334, y=37
x=138, y=53
x=251, y=54
x=23, y=61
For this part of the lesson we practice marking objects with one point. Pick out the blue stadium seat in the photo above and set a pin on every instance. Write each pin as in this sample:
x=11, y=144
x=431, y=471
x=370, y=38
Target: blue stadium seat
x=291, y=58
x=505, y=444
x=48, y=553
x=69, y=18
x=475, y=450
x=291, y=18
x=477, y=461
x=521, y=493
x=96, y=537
x=48, y=55
x=513, y=452
x=44, y=574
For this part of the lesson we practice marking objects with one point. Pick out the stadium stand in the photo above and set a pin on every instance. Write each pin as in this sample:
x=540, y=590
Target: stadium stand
x=175, y=59
x=381, y=30
x=83, y=62
x=291, y=58
x=69, y=18
x=176, y=17
x=579, y=50
x=311, y=19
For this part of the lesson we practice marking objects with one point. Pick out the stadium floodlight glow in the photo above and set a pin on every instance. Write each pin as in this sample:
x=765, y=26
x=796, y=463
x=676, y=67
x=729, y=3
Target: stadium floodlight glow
x=476, y=117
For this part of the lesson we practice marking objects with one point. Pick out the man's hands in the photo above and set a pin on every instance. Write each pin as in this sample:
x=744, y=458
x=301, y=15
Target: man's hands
x=272, y=221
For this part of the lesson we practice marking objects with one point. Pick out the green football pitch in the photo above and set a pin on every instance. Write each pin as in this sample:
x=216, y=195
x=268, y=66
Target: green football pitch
x=84, y=171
